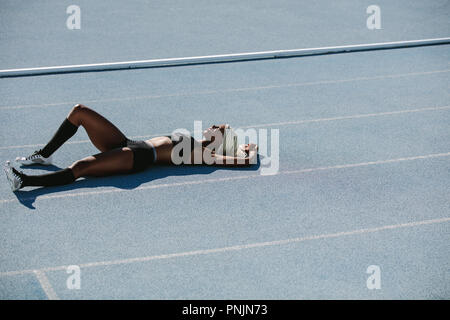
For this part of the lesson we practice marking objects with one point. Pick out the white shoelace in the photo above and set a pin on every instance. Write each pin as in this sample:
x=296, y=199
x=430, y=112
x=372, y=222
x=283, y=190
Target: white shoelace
x=18, y=177
x=15, y=175
x=35, y=155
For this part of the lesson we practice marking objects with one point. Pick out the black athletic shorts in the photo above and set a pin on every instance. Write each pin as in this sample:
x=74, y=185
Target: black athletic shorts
x=144, y=154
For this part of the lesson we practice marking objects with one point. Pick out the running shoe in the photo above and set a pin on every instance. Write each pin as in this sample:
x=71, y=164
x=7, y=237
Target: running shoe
x=35, y=158
x=13, y=176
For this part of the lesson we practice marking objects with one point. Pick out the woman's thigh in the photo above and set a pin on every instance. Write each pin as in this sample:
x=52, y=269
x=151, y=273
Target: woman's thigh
x=116, y=161
x=103, y=134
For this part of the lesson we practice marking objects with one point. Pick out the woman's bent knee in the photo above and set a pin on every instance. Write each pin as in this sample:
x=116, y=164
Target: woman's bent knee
x=76, y=112
x=78, y=108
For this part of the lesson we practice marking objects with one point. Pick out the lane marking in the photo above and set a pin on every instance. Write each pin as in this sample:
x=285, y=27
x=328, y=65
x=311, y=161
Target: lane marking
x=235, y=178
x=235, y=248
x=208, y=92
x=230, y=57
x=355, y=116
x=45, y=284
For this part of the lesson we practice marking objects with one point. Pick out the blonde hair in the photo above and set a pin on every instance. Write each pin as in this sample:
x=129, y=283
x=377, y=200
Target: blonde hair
x=229, y=146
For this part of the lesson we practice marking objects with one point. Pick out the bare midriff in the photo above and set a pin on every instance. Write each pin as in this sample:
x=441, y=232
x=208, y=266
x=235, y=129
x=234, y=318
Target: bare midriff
x=163, y=147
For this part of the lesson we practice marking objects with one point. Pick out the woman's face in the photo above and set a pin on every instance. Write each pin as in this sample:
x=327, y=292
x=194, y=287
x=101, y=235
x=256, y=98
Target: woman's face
x=214, y=131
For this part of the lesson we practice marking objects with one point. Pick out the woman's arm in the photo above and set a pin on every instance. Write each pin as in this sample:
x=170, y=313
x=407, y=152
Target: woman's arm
x=237, y=161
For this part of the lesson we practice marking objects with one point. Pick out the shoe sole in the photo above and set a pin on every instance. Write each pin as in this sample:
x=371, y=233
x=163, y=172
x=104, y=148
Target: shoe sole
x=41, y=162
x=7, y=168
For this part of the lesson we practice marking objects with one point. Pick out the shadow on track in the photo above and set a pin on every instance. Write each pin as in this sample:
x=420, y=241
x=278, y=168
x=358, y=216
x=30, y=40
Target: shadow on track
x=125, y=182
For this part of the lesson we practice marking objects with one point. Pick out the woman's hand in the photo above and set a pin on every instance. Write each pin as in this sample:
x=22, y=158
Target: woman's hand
x=252, y=151
x=250, y=147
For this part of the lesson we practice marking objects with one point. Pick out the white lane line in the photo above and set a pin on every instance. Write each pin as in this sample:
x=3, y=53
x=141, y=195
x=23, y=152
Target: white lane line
x=230, y=57
x=215, y=180
x=45, y=284
x=355, y=116
x=236, y=247
x=370, y=163
x=208, y=92
x=285, y=123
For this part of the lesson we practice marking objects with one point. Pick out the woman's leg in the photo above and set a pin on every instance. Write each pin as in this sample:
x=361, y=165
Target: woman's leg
x=116, y=161
x=103, y=134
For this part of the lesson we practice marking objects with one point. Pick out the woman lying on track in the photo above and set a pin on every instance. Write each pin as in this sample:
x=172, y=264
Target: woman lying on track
x=120, y=155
